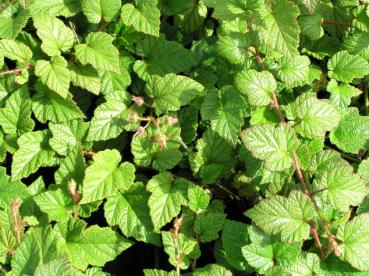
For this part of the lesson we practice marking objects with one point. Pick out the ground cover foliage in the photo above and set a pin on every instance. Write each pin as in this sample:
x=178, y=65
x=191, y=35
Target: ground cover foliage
x=197, y=137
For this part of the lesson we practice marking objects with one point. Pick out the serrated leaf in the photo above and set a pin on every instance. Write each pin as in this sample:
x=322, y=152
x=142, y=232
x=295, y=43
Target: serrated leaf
x=59, y=266
x=47, y=105
x=273, y=145
x=226, y=110
x=341, y=94
x=207, y=226
x=166, y=198
x=93, y=246
x=33, y=152
x=233, y=47
x=130, y=211
x=345, y=67
x=355, y=242
x=306, y=264
x=212, y=269
x=54, y=74
x=65, y=8
x=15, y=50
x=96, y=10
x=85, y=77
x=99, y=52
x=278, y=28
x=15, y=117
x=257, y=86
x=144, y=18
x=110, y=119
x=342, y=187
x=198, y=198
x=56, y=204
x=313, y=117
x=184, y=246
x=56, y=37
x=285, y=216
x=12, y=25
x=294, y=72
x=11, y=190
x=311, y=26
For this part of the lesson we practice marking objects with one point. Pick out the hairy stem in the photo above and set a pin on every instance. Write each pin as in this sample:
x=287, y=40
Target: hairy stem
x=15, y=71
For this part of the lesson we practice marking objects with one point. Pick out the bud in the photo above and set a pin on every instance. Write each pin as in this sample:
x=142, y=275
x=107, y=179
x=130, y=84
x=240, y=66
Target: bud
x=172, y=120
x=139, y=131
x=133, y=117
x=137, y=100
x=72, y=187
x=162, y=141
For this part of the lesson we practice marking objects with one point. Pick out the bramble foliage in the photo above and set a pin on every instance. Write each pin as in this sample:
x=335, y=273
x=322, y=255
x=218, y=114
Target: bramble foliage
x=218, y=137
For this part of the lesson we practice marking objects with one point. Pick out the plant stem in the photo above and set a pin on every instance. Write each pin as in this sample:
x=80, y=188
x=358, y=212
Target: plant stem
x=102, y=25
x=335, y=22
x=15, y=71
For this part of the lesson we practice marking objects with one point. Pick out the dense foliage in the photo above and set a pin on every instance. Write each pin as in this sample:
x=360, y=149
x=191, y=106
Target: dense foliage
x=212, y=137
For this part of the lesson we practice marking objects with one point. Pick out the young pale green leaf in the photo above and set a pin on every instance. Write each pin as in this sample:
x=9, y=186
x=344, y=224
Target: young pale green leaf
x=285, y=216
x=341, y=94
x=345, y=67
x=15, y=50
x=143, y=18
x=166, y=198
x=15, y=117
x=59, y=266
x=54, y=74
x=183, y=246
x=33, y=153
x=48, y=105
x=56, y=204
x=96, y=10
x=130, y=211
x=278, y=29
x=12, y=25
x=313, y=117
x=66, y=8
x=110, y=119
x=55, y=36
x=85, y=77
x=158, y=53
x=355, y=242
x=99, y=52
x=93, y=246
x=294, y=72
x=351, y=134
x=257, y=86
x=104, y=177
x=273, y=145
x=226, y=110
x=172, y=91
x=342, y=188
x=38, y=247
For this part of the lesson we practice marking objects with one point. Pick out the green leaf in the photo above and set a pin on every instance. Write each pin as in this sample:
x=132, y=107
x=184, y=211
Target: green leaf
x=285, y=216
x=172, y=91
x=38, y=247
x=212, y=269
x=294, y=72
x=278, y=30
x=65, y=8
x=99, y=52
x=234, y=237
x=143, y=18
x=207, y=226
x=257, y=86
x=226, y=110
x=273, y=145
x=104, y=177
x=341, y=94
x=33, y=152
x=11, y=190
x=355, y=242
x=166, y=198
x=342, y=188
x=59, y=266
x=313, y=117
x=131, y=212
x=311, y=26
x=351, y=134
x=158, y=53
x=55, y=36
x=15, y=50
x=96, y=10
x=50, y=106
x=345, y=67
x=56, y=204
x=184, y=246
x=15, y=117
x=306, y=264
x=109, y=120
x=198, y=198
x=11, y=26
x=85, y=77
x=93, y=246
x=233, y=47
